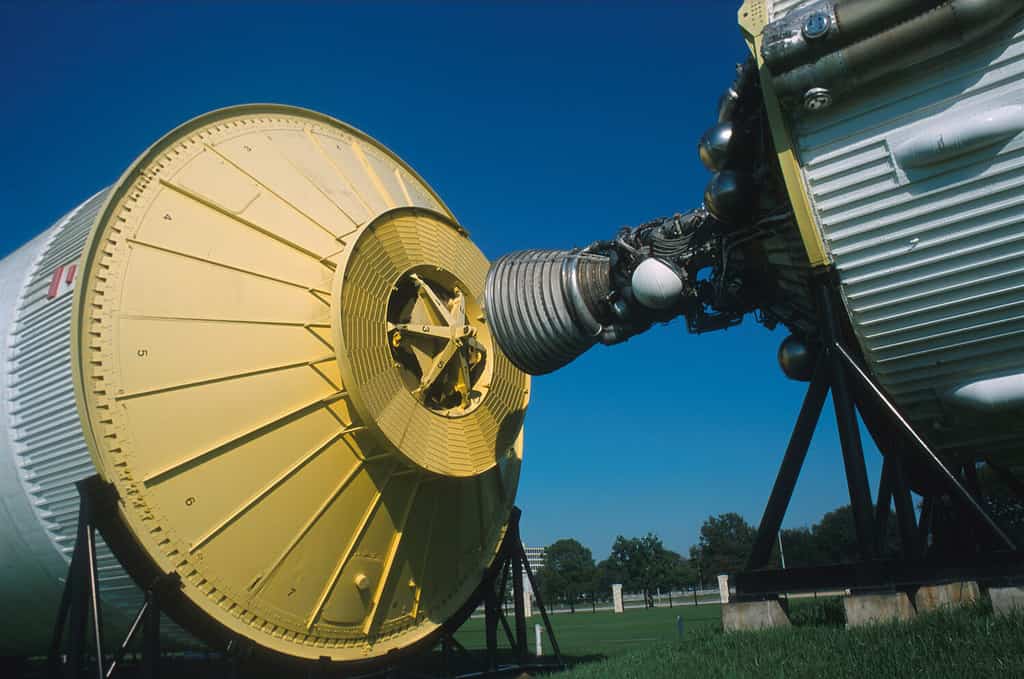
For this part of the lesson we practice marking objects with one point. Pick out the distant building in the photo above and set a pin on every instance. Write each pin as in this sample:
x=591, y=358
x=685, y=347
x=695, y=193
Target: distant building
x=535, y=557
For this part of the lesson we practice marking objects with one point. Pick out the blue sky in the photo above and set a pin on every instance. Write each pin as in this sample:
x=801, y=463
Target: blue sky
x=541, y=125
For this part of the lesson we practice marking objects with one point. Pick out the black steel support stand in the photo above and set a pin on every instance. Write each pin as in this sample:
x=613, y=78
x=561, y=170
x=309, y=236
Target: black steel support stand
x=849, y=431
x=905, y=518
x=520, y=555
x=511, y=562
x=78, y=650
x=830, y=374
x=884, y=504
x=956, y=488
x=789, y=470
x=852, y=389
x=81, y=604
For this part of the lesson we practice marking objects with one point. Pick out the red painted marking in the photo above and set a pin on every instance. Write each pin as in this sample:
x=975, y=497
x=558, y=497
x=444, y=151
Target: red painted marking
x=55, y=283
x=72, y=268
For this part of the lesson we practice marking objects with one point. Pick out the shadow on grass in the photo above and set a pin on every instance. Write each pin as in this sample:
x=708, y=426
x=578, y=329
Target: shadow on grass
x=827, y=611
x=216, y=666
x=475, y=661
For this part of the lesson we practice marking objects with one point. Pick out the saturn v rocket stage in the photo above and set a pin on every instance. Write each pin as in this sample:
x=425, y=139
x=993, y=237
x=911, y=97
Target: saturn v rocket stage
x=267, y=340
x=280, y=352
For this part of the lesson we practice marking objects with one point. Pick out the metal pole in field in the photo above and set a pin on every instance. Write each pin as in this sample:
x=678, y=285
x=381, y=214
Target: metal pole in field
x=782, y=554
x=540, y=640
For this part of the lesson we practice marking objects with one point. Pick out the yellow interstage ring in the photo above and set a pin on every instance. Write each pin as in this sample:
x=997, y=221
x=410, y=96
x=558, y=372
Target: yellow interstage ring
x=457, y=443
x=241, y=421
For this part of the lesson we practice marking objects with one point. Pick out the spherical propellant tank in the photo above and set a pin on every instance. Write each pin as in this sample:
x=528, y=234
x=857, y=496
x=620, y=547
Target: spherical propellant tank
x=267, y=338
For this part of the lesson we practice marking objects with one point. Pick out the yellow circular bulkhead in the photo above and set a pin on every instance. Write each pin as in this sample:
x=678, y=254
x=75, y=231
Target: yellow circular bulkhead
x=283, y=368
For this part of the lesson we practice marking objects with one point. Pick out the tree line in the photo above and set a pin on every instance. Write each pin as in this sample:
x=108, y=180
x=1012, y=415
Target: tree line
x=571, y=576
x=643, y=564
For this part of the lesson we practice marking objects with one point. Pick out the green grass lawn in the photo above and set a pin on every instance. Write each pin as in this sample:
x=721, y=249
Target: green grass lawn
x=952, y=644
x=584, y=634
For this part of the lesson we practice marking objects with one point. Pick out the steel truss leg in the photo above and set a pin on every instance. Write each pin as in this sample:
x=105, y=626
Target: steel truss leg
x=492, y=592
x=516, y=554
x=892, y=446
x=957, y=489
x=883, y=505
x=905, y=518
x=789, y=470
x=870, y=518
x=540, y=601
x=80, y=604
x=849, y=431
x=854, y=391
x=501, y=606
x=151, y=637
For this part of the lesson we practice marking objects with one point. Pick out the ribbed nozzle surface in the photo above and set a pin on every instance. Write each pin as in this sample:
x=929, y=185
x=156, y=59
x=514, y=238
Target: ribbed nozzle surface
x=541, y=306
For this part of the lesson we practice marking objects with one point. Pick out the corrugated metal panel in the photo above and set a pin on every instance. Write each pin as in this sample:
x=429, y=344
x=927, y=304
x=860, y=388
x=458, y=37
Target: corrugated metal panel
x=48, y=444
x=49, y=450
x=931, y=259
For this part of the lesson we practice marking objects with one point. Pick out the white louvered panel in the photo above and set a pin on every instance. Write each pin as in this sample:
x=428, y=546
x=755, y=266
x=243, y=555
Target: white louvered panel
x=49, y=451
x=931, y=259
x=48, y=444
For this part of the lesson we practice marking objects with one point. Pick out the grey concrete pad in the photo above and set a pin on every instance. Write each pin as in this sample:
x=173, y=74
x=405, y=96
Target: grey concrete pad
x=933, y=597
x=753, y=615
x=1007, y=599
x=866, y=609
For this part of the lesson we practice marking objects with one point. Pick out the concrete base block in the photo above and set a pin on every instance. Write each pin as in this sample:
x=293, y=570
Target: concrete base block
x=753, y=615
x=866, y=609
x=1007, y=599
x=934, y=597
